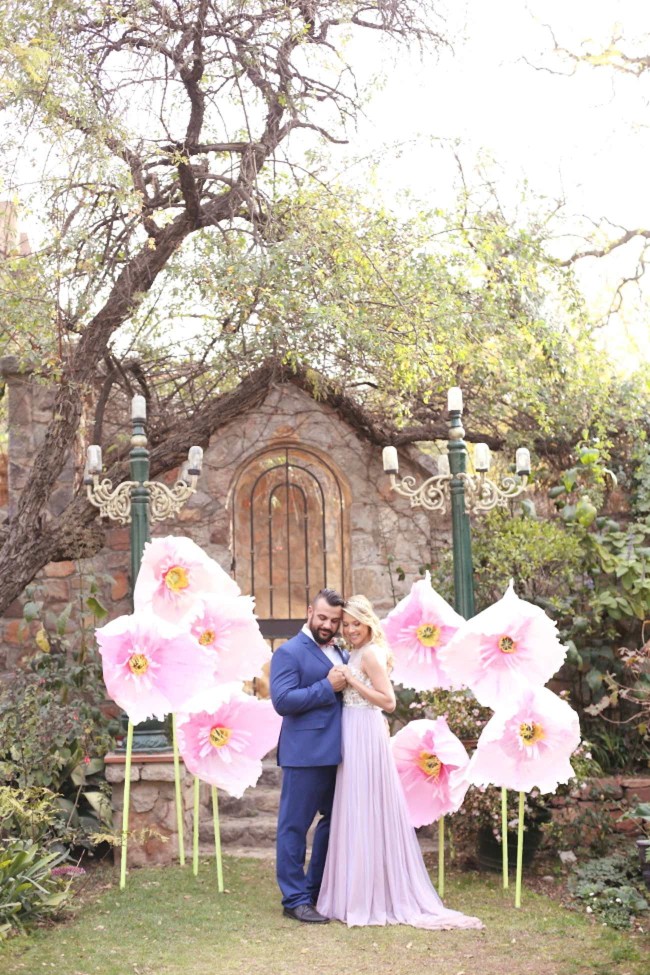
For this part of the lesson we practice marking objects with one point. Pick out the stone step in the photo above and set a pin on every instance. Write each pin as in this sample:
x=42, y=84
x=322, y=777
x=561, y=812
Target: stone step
x=266, y=851
x=242, y=831
x=271, y=776
x=253, y=802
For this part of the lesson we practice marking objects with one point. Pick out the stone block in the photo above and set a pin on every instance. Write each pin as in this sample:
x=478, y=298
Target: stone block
x=638, y=786
x=158, y=850
x=120, y=540
x=59, y=589
x=610, y=787
x=160, y=772
x=115, y=772
x=59, y=570
x=15, y=632
x=120, y=585
x=189, y=515
x=144, y=796
x=627, y=827
x=14, y=610
x=271, y=775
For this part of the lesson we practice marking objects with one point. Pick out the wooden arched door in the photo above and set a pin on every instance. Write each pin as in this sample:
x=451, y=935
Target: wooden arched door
x=289, y=534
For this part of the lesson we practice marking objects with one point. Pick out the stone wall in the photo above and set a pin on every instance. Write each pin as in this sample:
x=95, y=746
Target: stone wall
x=610, y=797
x=383, y=532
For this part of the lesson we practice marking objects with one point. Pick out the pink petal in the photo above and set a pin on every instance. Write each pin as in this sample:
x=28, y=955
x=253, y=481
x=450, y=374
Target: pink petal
x=502, y=757
x=195, y=574
x=251, y=730
x=429, y=796
x=166, y=675
x=502, y=650
x=416, y=652
x=227, y=628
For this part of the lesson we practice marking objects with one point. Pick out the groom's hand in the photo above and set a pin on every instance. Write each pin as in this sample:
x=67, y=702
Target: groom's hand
x=337, y=678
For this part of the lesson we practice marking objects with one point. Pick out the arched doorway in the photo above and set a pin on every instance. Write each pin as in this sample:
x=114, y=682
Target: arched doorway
x=289, y=534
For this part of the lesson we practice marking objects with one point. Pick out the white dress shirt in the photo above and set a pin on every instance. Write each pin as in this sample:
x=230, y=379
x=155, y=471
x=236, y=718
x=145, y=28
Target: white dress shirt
x=330, y=652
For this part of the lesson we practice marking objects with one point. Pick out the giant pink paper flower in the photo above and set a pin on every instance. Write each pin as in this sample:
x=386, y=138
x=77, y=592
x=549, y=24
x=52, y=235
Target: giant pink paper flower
x=430, y=761
x=416, y=630
x=175, y=575
x=527, y=743
x=225, y=746
x=503, y=649
x=147, y=668
x=227, y=629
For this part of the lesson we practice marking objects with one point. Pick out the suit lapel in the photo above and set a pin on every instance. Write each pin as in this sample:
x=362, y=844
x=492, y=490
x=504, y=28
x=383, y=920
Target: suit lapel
x=317, y=653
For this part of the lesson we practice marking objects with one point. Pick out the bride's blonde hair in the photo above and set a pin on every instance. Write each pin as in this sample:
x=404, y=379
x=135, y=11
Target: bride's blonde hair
x=361, y=609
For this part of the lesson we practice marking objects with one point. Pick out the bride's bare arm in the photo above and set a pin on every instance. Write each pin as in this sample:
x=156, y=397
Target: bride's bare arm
x=381, y=693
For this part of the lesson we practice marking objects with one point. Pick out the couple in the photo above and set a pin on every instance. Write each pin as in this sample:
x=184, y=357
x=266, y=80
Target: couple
x=336, y=760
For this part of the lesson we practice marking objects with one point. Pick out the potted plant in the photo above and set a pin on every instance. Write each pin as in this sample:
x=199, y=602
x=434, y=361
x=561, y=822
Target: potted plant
x=477, y=826
x=464, y=715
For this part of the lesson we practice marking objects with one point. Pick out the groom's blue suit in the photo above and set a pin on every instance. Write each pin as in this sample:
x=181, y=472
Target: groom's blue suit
x=309, y=752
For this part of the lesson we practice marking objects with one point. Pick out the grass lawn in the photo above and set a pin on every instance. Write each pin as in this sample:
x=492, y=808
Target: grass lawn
x=169, y=923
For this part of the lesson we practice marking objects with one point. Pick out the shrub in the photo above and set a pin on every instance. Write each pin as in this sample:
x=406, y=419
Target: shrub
x=29, y=893
x=54, y=735
x=610, y=887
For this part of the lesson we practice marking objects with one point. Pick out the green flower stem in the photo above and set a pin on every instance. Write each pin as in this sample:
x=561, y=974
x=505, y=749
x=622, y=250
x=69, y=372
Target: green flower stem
x=179, y=796
x=195, y=843
x=127, y=799
x=441, y=856
x=217, y=838
x=520, y=850
x=504, y=834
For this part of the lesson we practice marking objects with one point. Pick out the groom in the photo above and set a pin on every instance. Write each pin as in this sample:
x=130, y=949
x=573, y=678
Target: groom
x=305, y=681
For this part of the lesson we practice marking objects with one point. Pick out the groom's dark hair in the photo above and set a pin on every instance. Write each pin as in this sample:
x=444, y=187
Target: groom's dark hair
x=331, y=596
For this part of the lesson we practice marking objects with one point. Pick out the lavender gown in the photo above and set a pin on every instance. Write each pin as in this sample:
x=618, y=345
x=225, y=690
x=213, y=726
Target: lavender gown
x=374, y=872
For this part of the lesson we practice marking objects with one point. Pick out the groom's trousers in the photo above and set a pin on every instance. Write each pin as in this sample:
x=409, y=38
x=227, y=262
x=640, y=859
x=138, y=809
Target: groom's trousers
x=305, y=792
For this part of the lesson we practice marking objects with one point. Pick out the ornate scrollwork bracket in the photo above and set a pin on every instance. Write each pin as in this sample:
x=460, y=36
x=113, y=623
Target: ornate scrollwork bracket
x=115, y=503
x=166, y=502
x=112, y=503
x=481, y=494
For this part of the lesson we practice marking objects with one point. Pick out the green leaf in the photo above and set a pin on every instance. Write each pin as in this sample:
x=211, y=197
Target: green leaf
x=62, y=620
x=32, y=610
x=528, y=508
x=588, y=455
x=99, y=612
x=594, y=679
x=101, y=804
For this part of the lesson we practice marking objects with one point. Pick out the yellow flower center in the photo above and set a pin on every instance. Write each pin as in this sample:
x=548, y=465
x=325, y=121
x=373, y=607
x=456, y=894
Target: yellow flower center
x=506, y=644
x=430, y=764
x=176, y=578
x=530, y=732
x=428, y=634
x=138, y=664
x=207, y=637
x=220, y=736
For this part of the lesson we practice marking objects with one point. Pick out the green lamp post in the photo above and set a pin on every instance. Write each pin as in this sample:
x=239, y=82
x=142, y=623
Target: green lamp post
x=468, y=494
x=138, y=502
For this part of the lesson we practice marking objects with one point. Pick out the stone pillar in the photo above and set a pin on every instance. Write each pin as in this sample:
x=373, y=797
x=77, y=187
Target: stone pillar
x=152, y=816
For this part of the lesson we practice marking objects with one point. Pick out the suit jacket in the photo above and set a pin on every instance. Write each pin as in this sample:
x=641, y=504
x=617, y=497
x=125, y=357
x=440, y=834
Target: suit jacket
x=311, y=709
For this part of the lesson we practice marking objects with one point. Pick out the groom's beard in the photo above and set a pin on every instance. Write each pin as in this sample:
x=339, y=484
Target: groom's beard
x=322, y=635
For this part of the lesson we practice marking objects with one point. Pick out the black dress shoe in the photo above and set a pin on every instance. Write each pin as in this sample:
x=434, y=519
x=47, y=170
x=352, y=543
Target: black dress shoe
x=306, y=913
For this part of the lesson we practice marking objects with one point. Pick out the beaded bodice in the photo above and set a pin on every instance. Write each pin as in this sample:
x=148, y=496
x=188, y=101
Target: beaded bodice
x=351, y=697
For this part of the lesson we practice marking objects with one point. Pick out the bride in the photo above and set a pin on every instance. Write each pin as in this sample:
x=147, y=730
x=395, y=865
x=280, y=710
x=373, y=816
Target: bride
x=374, y=872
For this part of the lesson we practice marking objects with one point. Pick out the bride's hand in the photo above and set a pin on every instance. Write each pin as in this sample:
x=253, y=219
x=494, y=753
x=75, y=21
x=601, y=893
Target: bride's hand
x=345, y=670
